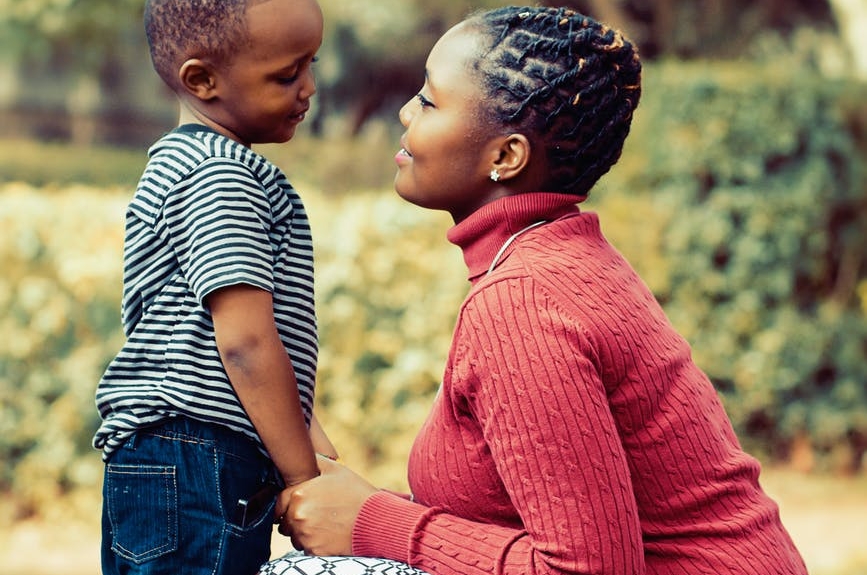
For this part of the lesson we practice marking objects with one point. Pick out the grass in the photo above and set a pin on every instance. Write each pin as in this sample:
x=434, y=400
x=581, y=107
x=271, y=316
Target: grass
x=825, y=516
x=43, y=164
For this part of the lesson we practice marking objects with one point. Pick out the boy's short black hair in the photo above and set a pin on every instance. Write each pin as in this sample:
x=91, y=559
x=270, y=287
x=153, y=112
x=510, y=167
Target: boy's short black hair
x=181, y=29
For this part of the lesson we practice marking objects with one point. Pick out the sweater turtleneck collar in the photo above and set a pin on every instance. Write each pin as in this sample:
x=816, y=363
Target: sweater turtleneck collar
x=484, y=232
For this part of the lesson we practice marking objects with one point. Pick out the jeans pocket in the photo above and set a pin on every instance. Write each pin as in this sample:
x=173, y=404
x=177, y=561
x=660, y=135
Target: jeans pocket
x=142, y=505
x=246, y=492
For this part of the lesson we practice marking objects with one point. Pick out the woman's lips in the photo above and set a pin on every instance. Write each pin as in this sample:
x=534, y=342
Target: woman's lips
x=403, y=156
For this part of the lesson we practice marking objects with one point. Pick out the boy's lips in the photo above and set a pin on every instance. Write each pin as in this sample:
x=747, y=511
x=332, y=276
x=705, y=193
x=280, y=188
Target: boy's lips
x=300, y=114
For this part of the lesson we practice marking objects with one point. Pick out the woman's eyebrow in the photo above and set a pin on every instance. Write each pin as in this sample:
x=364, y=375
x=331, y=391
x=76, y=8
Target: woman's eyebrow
x=427, y=79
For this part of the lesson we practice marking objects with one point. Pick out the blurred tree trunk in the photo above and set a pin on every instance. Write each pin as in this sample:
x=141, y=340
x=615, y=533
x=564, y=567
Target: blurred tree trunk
x=611, y=13
x=851, y=18
x=82, y=103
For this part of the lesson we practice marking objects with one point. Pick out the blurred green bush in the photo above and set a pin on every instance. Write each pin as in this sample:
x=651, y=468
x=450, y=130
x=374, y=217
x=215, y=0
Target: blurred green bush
x=760, y=178
x=741, y=198
x=59, y=316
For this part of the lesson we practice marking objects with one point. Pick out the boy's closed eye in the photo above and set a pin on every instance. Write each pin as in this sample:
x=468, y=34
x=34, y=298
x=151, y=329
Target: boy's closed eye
x=293, y=74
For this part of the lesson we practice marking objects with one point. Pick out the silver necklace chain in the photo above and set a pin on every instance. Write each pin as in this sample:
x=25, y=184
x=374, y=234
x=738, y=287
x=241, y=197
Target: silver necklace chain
x=508, y=242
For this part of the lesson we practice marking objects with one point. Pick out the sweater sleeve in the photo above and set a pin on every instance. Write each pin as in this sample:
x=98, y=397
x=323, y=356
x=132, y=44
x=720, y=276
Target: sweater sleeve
x=526, y=375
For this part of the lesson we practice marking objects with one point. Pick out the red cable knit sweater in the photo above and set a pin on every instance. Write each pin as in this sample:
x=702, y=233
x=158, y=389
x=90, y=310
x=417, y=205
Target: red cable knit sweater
x=573, y=433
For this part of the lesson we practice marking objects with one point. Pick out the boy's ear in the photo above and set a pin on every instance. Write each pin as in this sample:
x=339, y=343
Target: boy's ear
x=198, y=79
x=513, y=156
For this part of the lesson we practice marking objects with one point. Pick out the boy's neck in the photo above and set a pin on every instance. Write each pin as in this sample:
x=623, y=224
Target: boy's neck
x=189, y=115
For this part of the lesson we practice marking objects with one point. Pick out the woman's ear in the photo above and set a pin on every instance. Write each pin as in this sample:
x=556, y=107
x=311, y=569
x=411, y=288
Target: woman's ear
x=513, y=156
x=198, y=79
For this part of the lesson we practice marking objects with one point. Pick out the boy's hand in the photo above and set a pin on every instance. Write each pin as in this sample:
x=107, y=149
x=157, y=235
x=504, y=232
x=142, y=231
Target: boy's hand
x=319, y=514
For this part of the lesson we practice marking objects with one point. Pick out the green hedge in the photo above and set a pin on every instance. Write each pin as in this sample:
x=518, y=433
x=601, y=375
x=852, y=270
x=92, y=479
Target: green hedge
x=59, y=317
x=759, y=179
x=740, y=199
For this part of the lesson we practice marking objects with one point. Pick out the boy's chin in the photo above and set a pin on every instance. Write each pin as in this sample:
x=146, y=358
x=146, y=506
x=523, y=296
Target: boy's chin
x=285, y=137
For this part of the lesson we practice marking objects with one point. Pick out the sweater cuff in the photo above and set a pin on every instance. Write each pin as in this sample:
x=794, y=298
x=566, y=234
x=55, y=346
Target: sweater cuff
x=385, y=526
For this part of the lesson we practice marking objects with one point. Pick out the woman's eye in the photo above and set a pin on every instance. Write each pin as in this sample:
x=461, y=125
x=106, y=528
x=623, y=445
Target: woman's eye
x=423, y=102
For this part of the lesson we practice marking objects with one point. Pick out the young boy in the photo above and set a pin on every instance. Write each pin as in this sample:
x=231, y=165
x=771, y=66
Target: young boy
x=206, y=408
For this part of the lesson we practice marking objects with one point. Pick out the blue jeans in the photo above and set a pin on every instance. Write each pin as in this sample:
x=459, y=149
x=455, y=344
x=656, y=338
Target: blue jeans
x=173, y=503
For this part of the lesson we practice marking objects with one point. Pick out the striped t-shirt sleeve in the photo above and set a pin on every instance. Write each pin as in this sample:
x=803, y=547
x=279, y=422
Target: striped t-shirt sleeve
x=219, y=229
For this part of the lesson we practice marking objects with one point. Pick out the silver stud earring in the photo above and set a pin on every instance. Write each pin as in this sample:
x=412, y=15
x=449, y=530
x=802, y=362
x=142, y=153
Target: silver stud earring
x=495, y=175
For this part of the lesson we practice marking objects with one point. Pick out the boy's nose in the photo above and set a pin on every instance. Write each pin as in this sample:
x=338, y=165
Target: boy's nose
x=309, y=87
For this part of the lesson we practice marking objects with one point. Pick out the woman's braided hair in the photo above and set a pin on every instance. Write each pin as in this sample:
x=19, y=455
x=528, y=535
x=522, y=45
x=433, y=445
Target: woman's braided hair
x=569, y=82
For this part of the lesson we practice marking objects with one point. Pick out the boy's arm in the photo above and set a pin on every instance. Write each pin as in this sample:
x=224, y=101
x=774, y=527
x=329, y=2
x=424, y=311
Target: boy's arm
x=263, y=377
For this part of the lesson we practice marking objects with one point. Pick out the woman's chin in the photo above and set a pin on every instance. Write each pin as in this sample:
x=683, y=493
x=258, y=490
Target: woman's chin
x=402, y=189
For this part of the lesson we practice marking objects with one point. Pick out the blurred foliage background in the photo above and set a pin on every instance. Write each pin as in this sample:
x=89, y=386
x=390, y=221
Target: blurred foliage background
x=741, y=198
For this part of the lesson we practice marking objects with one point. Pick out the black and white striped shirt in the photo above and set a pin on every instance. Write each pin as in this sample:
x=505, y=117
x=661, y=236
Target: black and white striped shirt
x=208, y=213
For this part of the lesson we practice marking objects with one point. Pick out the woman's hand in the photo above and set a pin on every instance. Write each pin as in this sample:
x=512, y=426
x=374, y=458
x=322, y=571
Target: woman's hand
x=322, y=511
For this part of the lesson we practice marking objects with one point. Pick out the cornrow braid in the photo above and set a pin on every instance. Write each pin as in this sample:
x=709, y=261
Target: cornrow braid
x=567, y=80
x=180, y=29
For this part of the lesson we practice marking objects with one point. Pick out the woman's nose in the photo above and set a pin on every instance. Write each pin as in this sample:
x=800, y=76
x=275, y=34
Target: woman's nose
x=405, y=113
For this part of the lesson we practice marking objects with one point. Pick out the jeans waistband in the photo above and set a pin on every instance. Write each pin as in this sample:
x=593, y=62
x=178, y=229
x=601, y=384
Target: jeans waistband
x=193, y=429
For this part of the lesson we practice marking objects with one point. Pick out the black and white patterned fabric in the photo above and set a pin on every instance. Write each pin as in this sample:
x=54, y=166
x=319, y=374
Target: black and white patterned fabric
x=296, y=563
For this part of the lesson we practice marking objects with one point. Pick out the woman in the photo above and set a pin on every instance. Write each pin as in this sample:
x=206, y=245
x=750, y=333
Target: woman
x=573, y=433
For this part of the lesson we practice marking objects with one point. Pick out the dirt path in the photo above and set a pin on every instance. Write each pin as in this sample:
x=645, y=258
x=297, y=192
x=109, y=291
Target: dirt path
x=826, y=517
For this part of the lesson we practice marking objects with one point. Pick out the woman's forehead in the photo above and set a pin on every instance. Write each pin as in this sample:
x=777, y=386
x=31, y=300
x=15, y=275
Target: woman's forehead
x=450, y=57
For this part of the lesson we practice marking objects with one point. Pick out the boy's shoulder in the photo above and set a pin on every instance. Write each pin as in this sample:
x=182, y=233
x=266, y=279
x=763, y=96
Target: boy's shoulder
x=190, y=160
x=202, y=143
x=186, y=148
